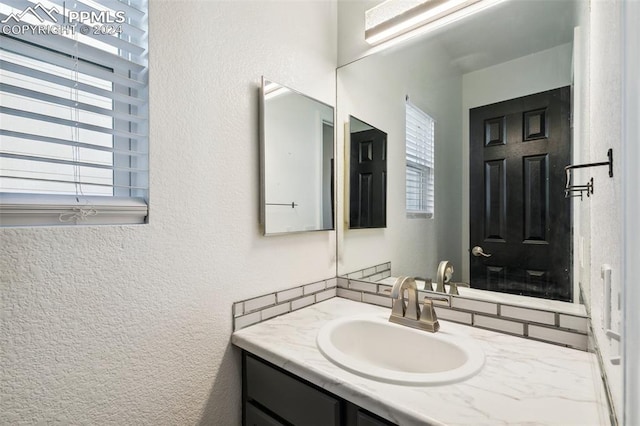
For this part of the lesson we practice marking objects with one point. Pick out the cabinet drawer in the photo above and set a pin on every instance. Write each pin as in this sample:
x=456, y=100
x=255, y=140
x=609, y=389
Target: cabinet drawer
x=253, y=416
x=289, y=398
x=366, y=419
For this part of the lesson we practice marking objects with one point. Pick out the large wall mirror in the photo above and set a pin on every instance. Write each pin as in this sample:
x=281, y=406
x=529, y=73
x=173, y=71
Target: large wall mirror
x=516, y=62
x=297, y=161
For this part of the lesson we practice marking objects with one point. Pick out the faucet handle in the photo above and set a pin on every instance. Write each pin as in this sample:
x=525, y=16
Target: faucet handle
x=428, y=283
x=438, y=299
x=398, y=307
x=428, y=317
x=453, y=287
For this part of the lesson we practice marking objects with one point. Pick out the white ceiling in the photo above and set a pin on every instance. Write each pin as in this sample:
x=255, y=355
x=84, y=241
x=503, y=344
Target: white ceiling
x=506, y=31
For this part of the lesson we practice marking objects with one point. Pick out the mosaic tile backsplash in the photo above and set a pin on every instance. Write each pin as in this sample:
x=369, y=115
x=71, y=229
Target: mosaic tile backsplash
x=257, y=309
x=549, y=326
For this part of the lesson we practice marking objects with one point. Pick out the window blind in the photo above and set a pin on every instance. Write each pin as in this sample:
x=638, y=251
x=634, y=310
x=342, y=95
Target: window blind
x=420, y=177
x=73, y=112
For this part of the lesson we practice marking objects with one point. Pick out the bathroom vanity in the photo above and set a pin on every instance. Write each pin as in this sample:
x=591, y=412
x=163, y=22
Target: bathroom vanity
x=270, y=393
x=522, y=380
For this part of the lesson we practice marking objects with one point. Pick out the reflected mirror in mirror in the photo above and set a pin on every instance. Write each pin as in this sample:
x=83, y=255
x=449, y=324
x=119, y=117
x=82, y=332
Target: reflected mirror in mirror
x=367, y=175
x=530, y=71
x=297, y=161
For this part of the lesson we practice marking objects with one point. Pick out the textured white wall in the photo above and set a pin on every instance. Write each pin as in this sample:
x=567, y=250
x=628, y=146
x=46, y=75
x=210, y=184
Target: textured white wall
x=631, y=178
x=605, y=216
x=631, y=154
x=131, y=324
x=581, y=138
x=351, y=44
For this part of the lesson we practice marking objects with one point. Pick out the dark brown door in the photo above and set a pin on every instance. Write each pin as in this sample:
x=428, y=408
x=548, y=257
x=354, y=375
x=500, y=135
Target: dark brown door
x=368, y=179
x=518, y=213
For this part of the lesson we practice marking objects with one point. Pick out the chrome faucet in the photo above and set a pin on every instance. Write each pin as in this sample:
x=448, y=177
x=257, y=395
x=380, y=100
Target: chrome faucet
x=443, y=276
x=445, y=272
x=399, y=309
x=410, y=314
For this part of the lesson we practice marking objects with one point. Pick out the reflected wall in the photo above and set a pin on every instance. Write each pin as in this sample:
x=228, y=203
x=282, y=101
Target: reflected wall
x=297, y=146
x=374, y=89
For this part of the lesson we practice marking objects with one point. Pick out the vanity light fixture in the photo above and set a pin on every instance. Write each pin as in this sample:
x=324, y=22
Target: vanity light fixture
x=272, y=90
x=394, y=18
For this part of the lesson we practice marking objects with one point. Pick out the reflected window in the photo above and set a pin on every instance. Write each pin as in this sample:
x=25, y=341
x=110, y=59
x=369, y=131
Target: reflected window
x=420, y=176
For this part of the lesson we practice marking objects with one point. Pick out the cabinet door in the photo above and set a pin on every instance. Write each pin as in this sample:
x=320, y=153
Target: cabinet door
x=366, y=419
x=253, y=416
x=289, y=398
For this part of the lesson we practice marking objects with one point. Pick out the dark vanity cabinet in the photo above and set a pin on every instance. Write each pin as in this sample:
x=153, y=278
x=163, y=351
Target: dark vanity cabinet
x=273, y=397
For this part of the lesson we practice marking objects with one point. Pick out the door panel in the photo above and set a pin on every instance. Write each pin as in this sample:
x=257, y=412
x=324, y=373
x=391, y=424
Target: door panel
x=518, y=213
x=495, y=200
x=368, y=179
x=536, y=198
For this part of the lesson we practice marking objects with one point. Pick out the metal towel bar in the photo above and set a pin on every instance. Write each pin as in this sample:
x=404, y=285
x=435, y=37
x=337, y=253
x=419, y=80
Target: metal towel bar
x=292, y=204
x=570, y=190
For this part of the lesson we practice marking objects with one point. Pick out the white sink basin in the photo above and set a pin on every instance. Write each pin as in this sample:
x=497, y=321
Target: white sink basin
x=371, y=346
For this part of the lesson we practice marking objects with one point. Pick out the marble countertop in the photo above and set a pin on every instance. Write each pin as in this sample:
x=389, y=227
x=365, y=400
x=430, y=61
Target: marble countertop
x=522, y=382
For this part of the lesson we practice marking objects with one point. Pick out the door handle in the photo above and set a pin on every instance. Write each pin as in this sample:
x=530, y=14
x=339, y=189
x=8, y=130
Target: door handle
x=477, y=251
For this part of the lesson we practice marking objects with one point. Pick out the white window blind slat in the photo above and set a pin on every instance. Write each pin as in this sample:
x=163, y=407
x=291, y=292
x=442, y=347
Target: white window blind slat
x=24, y=137
x=73, y=112
x=420, y=129
x=79, y=163
x=68, y=103
x=70, y=123
x=68, y=62
x=73, y=48
x=37, y=75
